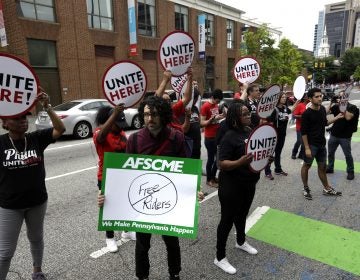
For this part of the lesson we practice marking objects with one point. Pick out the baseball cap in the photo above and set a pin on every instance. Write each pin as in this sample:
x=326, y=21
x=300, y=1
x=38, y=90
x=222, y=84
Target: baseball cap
x=120, y=121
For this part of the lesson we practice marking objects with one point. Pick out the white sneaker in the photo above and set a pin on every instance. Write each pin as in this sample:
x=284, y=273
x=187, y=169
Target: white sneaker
x=247, y=248
x=225, y=265
x=128, y=235
x=111, y=245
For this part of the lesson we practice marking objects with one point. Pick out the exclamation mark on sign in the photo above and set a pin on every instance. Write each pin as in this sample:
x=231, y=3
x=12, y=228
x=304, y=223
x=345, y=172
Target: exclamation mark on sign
x=28, y=95
x=142, y=86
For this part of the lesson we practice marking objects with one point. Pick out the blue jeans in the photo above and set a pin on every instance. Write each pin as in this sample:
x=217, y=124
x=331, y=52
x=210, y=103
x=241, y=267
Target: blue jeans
x=211, y=168
x=345, y=144
x=298, y=144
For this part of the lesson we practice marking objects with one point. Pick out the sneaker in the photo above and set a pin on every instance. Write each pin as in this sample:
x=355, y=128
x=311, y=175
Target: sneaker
x=247, y=248
x=307, y=193
x=281, y=173
x=269, y=176
x=38, y=276
x=331, y=191
x=174, y=277
x=225, y=265
x=329, y=171
x=128, y=235
x=350, y=176
x=111, y=245
x=212, y=184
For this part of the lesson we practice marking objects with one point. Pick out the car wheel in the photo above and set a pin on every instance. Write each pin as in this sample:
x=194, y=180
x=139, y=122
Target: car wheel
x=136, y=122
x=82, y=130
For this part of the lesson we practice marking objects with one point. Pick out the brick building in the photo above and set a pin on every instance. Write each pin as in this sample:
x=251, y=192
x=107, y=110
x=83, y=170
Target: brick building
x=70, y=43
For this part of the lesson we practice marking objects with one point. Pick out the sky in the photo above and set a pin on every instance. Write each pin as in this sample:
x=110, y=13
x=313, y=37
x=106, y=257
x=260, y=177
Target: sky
x=296, y=18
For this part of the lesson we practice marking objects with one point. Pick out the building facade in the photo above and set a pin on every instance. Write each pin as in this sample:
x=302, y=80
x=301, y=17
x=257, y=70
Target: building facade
x=71, y=43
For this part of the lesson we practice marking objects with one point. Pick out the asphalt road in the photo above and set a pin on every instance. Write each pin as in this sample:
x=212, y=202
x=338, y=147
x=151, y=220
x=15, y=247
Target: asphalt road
x=71, y=234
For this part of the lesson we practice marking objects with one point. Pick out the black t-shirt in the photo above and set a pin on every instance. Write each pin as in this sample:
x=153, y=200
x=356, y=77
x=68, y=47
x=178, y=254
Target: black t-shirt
x=341, y=128
x=232, y=147
x=313, y=125
x=252, y=106
x=280, y=118
x=22, y=175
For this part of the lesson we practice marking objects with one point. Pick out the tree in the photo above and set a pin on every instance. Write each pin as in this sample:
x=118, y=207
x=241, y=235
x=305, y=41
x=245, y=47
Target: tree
x=349, y=62
x=357, y=73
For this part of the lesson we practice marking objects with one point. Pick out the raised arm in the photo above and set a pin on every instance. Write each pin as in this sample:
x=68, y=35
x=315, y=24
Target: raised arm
x=166, y=79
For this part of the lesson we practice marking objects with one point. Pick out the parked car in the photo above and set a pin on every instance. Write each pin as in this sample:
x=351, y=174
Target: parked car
x=79, y=116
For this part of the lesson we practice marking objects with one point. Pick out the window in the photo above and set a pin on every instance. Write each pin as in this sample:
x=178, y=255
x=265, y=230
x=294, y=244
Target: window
x=37, y=9
x=209, y=27
x=91, y=106
x=149, y=55
x=147, y=17
x=100, y=14
x=42, y=53
x=230, y=40
x=181, y=18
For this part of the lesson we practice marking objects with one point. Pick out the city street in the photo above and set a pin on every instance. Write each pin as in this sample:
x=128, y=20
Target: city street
x=73, y=242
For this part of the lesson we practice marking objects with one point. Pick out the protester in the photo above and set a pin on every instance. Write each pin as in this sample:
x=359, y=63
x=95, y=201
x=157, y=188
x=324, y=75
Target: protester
x=340, y=134
x=242, y=89
x=23, y=193
x=298, y=110
x=156, y=138
x=236, y=184
x=312, y=130
x=251, y=97
x=279, y=118
x=110, y=137
x=210, y=118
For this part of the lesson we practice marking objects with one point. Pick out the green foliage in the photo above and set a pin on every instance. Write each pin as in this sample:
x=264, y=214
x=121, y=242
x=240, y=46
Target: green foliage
x=350, y=61
x=357, y=73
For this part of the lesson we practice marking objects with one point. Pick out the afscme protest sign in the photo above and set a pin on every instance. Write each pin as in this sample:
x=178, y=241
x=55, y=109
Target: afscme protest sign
x=176, y=52
x=261, y=144
x=124, y=82
x=268, y=101
x=179, y=85
x=150, y=194
x=344, y=100
x=18, y=86
x=247, y=70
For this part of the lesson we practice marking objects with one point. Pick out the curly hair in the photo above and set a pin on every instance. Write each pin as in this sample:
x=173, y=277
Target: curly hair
x=162, y=107
x=234, y=113
x=102, y=115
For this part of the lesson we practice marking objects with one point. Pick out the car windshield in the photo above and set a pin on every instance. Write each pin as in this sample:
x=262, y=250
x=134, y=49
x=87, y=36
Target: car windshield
x=66, y=106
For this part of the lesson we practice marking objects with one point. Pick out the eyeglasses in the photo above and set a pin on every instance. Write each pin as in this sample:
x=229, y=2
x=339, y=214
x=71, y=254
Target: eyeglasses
x=152, y=115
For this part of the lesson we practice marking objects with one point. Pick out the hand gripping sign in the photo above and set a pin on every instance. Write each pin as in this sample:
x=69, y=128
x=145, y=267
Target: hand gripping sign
x=299, y=87
x=18, y=86
x=268, y=101
x=247, y=70
x=179, y=85
x=176, y=52
x=124, y=82
x=345, y=99
x=261, y=144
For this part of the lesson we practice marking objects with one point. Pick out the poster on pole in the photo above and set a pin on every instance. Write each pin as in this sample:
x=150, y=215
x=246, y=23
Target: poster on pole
x=18, y=86
x=261, y=143
x=179, y=85
x=150, y=194
x=132, y=27
x=176, y=52
x=124, y=82
x=247, y=70
x=344, y=100
x=299, y=87
x=202, y=33
x=3, y=39
x=268, y=101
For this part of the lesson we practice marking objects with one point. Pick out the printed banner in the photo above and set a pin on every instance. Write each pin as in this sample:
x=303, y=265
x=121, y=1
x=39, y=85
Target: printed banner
x=150, y=194
x=132, y=27
x=176, y=52
x=261, y=144
x=299, y=87
x=18, y=86
x=247, y=70
x=124, y=82
x=202, y=32
x=268, y=101
x=344, y=100
x=3, y=39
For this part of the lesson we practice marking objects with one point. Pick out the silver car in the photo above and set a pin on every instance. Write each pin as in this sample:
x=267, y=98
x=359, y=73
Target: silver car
x=79, y=116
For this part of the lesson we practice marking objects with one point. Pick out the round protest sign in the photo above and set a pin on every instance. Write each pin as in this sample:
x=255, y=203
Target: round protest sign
x=345, y=99
x=176, y=52
x=268, y=101
x=179, y=85
x=247, y=70
x=18, y=86
x=124, y=82
x=299, y=87
x=261, y=144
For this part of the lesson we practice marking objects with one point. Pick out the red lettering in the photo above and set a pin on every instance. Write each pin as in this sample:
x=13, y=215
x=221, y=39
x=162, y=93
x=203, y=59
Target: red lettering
x=181, y=60
x=114, y=95
x=18, y=97
x=5, y=94
x=167, y=62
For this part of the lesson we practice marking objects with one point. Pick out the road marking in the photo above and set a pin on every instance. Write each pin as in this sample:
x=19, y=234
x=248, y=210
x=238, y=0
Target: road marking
x=68, y=146
x=330, y=244
x=70, y=173
x=341, y=165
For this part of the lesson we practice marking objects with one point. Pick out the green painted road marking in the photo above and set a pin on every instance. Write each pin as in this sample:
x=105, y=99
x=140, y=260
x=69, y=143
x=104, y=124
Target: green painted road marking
x=329, y=244
x=355, y=139
x=341, y=165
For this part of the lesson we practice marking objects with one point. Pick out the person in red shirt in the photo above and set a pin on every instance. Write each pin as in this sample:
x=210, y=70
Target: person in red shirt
x=298, y=110
x=210, y=118
x=110, y=137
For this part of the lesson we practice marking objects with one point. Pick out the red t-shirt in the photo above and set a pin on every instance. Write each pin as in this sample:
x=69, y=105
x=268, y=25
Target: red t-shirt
x=299, y=110
x=177, y=109
x=112, y=143
x=208, y=110
x=237, y=95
